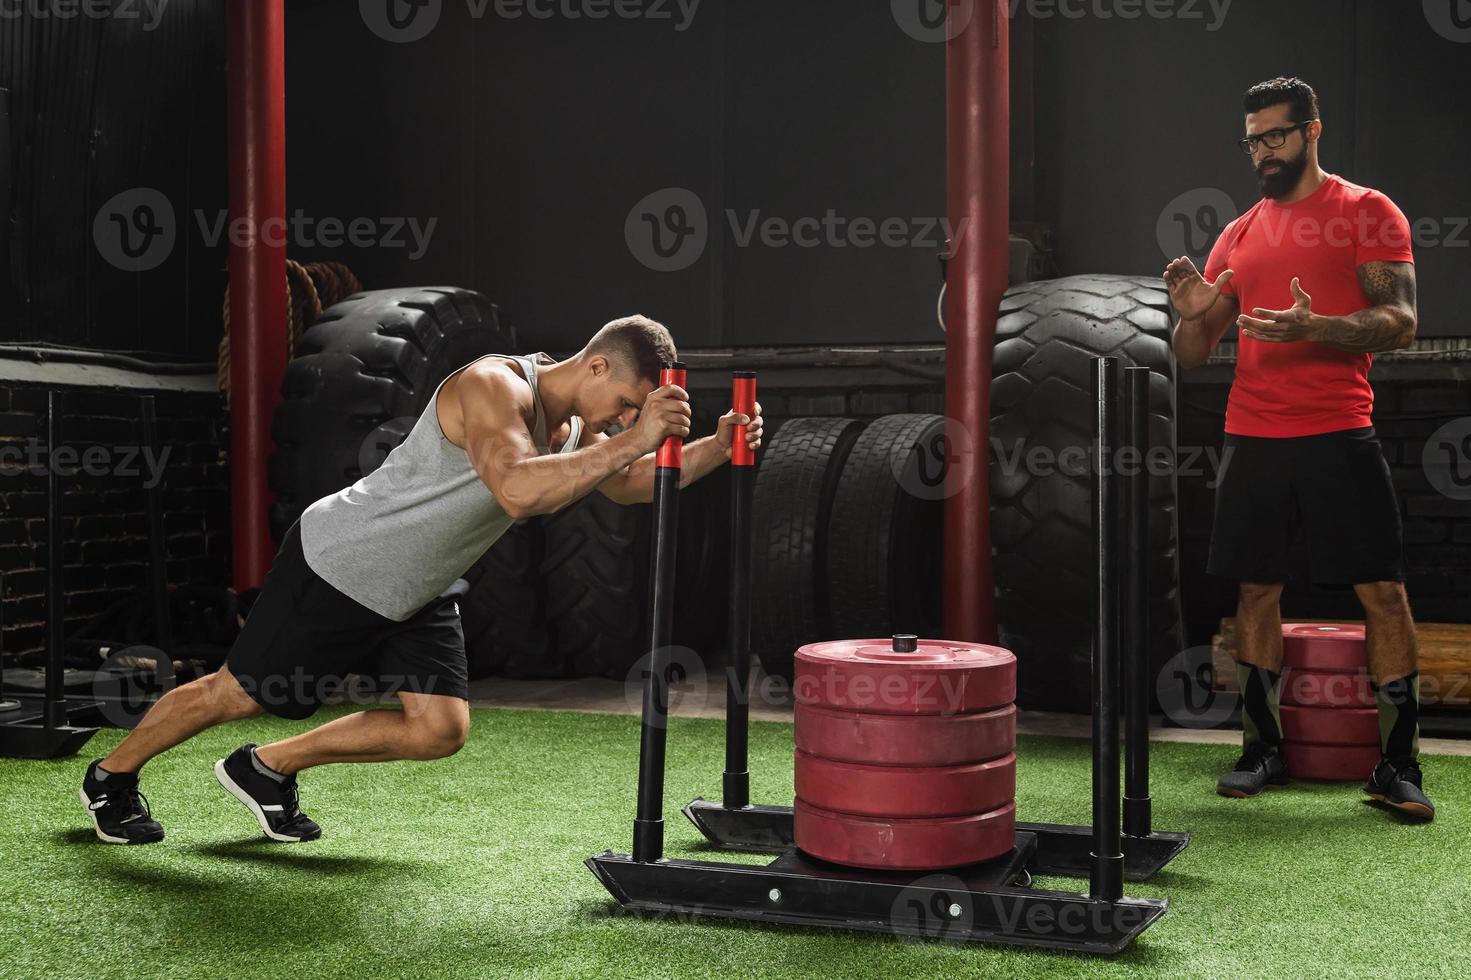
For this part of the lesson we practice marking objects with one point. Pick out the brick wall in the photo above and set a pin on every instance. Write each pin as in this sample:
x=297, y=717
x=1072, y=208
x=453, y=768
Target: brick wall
x=103, y=504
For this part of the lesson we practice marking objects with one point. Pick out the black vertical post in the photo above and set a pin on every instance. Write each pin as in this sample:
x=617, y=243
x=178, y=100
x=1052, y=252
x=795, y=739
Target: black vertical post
x=54, y=711
x=1135, y=626
x=7, y=181
x=737, y=783
x=1107, y=879
x=157, y=558
x=648, y=826
x=6, y=704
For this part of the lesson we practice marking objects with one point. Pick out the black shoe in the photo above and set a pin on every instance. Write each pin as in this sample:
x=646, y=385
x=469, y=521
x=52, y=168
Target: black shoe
x=273, y=803
x=119, y=812
x=1397, y=783
x=1260, y=766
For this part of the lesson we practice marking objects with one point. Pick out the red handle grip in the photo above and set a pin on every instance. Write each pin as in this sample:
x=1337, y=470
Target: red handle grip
x=743, y=400
x=671, y=454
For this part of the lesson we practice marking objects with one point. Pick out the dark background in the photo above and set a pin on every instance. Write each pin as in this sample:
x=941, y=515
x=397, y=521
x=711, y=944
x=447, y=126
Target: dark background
x=528, y=142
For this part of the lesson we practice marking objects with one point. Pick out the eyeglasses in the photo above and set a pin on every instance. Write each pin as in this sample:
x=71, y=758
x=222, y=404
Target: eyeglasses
x=1274, y=138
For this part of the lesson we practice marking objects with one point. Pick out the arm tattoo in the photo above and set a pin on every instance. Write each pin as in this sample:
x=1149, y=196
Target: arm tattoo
x=1389, y=323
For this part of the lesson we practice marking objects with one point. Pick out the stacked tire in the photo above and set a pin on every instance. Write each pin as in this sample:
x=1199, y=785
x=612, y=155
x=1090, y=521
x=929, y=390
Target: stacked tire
x=885, y=567
x=792, y=504
x=1330, y=720
x=849, y=519
x=905, y=753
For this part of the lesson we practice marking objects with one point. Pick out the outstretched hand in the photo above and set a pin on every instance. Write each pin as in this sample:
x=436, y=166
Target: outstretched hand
x=1282, y=326
x=1190, y=294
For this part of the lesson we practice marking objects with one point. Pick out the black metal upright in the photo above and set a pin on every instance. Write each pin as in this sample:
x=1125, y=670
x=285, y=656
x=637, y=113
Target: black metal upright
x=1106, y=880
x=7, y=175
x=648, y=826
x=1135, y=626
x=737, y=781
x=46, y=732
x=54, y=709
x=157, y=559
x=6, y=704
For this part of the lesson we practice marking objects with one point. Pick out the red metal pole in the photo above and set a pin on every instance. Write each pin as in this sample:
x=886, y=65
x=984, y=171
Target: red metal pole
x=978, y=138
x=257, y=123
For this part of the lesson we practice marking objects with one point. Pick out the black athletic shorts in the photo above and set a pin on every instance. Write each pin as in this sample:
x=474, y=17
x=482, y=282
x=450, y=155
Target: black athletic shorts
x=1332, y=491
x=303, y=637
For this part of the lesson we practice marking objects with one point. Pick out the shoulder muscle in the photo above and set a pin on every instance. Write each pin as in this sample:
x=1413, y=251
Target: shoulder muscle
x=1388, y=283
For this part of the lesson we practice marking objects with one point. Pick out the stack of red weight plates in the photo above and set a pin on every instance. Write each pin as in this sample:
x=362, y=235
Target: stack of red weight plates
x=1330, y=722
x=905, y=753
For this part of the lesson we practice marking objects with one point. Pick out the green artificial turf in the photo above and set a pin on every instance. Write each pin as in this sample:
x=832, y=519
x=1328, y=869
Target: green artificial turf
x=472, y=867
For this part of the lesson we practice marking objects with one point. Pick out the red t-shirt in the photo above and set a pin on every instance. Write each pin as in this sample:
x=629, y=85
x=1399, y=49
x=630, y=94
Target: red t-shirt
x=1305, y=388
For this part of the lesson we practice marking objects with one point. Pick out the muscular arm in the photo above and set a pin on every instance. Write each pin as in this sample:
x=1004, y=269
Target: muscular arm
x=494, y=406
x=1387, y=325
x=635, y=484
x=1194, y=340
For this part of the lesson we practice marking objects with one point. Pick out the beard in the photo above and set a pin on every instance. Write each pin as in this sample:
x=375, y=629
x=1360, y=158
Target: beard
x=1280, y=184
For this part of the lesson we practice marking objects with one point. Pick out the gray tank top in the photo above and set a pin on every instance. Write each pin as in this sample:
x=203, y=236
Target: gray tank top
x=400, y=536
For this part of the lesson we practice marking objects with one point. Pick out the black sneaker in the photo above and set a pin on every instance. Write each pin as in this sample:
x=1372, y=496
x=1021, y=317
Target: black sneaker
x=1397, y=783
x=1260, y=766
x=274, y=803
x=119, y=812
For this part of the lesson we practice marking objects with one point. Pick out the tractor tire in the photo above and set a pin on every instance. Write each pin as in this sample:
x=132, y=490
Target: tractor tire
x=504, y=613
x=793, y=502
x=596, y=571
x=601, y=626
x=1041, y=397
x=884, y=566
x=363, y=375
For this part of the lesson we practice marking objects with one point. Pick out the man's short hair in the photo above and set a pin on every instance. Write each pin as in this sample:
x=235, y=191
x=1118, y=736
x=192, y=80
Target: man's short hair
x=1294, y=92
x=636, y=344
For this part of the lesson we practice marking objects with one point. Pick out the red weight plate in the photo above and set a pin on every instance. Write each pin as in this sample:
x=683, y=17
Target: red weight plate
x=1324, y=646
x=1330, y=726
x=905, y=740
x=1338, y=763
x=1327, y=688
x=905, y=791
x=904, y=845
x=939, y=677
